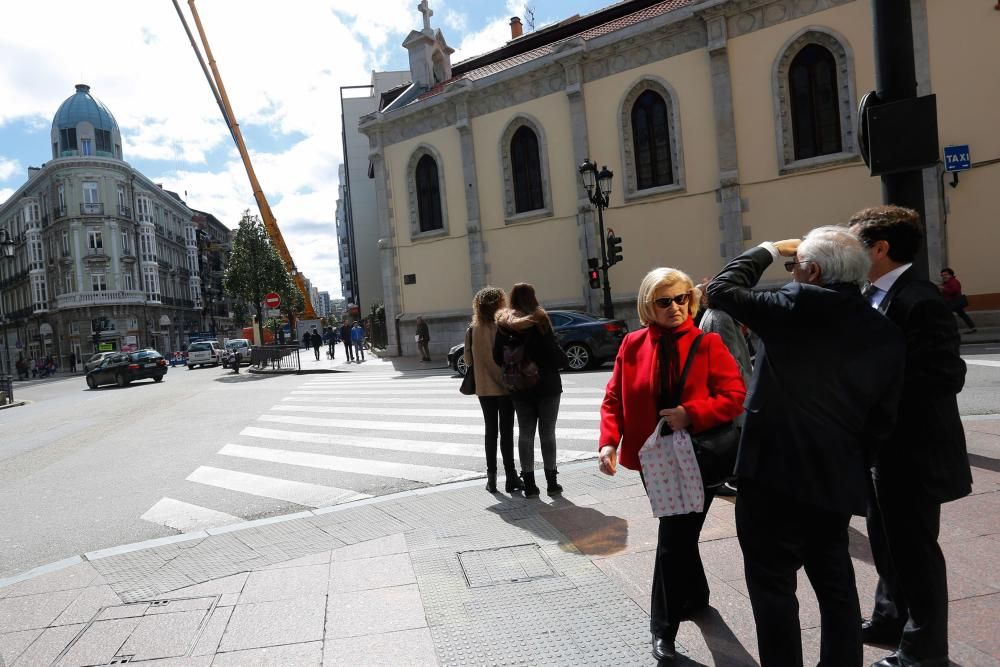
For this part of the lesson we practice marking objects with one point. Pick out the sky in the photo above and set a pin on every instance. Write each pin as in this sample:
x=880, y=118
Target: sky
x=282, y=65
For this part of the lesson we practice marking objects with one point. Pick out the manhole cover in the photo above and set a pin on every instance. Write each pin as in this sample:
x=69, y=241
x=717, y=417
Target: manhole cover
x=504, y=565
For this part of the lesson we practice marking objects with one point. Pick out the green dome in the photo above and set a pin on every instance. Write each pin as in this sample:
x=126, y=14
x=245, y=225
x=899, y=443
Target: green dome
x=84, y=107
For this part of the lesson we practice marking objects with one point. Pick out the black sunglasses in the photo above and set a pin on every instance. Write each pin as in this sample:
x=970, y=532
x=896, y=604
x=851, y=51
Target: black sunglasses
x=665, y=301
x=791, y=265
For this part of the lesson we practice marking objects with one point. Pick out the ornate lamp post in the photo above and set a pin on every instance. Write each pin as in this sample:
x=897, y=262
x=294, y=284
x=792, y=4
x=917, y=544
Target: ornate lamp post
x=7, y=245
x=598, y=185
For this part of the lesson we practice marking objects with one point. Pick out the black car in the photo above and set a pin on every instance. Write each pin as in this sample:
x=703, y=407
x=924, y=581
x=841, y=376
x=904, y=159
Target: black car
x=588, y=341
x=125, y=367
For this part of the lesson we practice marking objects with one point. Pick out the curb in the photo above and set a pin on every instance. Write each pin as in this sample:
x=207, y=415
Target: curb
x=13, y=404
x=245, y=525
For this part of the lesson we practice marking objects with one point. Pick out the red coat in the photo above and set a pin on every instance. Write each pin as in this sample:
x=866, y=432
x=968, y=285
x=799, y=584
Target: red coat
x=713, y=393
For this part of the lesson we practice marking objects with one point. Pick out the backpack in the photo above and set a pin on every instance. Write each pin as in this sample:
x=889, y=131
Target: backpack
x=519, y=372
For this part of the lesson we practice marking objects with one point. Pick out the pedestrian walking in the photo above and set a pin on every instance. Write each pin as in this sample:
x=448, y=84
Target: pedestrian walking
x=822, y=396
x=72, y=362
x=423, y=339
x=526, y=330
x=498, y=409
x=951, y=289
x=316, y=339
x=645, y=385
x=924, y=463
x=331, y=341
x=345, y=335
x=306, y=339
x=358, y=338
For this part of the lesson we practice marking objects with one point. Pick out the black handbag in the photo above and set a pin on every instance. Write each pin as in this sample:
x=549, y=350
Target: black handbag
x=469, y=380
x=715, y=448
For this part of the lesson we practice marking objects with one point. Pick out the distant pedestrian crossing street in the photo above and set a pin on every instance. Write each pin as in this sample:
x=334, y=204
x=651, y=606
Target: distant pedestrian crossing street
x=348, y=436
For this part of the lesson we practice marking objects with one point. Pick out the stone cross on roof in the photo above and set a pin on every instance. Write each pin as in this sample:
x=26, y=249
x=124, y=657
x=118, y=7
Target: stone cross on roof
x=427, y=12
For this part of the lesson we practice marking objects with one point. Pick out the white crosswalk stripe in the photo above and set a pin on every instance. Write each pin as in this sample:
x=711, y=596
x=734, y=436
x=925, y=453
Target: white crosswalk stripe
x=337, y=438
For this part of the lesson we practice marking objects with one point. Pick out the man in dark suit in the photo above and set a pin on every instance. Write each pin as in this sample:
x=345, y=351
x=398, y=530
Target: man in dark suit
x=821, y=397
x=924, y=462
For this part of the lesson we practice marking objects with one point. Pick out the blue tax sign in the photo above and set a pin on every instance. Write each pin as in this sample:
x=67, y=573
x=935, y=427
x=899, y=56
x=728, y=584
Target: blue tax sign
x=957, y=158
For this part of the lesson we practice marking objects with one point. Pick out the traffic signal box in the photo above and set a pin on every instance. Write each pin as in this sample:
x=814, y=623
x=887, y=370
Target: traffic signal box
x=593, y=275
x=614, y=248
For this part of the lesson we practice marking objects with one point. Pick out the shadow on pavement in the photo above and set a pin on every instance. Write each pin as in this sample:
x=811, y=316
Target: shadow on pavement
x=592, y=532
x=243, y=376
x=726, y=649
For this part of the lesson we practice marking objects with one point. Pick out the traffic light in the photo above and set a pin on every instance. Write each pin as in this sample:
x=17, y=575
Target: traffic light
x=614, y=248
x=592, y=274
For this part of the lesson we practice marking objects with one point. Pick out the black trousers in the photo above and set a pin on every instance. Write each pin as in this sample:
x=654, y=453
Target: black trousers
x=779, y=535
x=680, y=588
x=350, y=350
x=498, y=414
x=912, y=591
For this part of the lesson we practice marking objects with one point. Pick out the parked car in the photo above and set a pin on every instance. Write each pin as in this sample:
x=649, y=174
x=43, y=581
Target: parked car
x=204, y=353
x=588, y=341
x=122, y=368
x=241, y=344
x=95, y=360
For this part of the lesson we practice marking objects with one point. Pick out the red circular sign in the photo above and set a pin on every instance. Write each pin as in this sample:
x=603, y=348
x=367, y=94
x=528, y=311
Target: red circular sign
x=272, y=300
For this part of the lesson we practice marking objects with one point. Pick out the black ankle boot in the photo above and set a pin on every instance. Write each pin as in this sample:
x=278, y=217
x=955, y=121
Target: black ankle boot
x=553, y=488
x=491, y=481
x=513, y=481
x=530, y=489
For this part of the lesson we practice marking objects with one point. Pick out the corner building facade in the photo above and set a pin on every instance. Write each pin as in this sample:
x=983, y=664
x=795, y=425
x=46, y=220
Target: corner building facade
x=100, y=250
x=725, y=122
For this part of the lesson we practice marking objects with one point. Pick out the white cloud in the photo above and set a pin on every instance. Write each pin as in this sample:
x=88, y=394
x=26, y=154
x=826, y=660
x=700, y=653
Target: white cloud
x=454, y=20
x=491, y=36
x=8, y=168
x=5, y=193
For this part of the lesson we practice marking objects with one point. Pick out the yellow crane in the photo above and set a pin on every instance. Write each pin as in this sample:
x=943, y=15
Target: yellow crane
x=219, y=90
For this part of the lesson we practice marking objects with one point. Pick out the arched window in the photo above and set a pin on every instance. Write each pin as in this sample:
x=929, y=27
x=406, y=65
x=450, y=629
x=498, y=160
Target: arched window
x=815, y=104
x=651, y=141
x=428, y=195
x=527, y=171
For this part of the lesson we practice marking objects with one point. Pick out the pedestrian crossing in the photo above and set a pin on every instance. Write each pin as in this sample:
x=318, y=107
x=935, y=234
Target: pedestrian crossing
x=348, y=436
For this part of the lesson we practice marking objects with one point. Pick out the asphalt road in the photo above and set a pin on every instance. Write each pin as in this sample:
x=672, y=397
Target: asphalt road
x=79, y=468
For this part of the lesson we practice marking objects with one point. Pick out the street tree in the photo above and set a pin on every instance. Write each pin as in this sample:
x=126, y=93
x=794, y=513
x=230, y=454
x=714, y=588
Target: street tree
x=254, y=266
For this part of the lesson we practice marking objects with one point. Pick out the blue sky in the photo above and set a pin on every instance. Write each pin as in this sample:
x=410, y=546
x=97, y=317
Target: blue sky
x=282, y=64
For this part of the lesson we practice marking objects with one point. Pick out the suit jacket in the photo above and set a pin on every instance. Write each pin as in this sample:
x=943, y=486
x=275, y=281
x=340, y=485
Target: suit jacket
x=825, y=386
x=927, y=447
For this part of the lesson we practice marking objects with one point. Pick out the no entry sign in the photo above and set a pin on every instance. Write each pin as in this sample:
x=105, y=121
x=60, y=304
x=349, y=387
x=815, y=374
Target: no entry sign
x=272, y=300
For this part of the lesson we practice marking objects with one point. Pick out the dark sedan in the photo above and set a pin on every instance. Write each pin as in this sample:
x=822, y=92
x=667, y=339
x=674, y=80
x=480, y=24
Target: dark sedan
x=588, y=341
x=123, y=368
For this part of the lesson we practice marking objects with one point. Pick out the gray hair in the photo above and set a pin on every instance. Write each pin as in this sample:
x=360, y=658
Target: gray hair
x=839, y=253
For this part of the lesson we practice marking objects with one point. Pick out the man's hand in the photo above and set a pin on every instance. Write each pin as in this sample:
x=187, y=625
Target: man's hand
x=609, y=460
x=788, y=247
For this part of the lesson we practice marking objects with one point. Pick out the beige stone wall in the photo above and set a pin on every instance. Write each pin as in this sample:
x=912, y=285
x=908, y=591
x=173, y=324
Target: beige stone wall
x=964, y=37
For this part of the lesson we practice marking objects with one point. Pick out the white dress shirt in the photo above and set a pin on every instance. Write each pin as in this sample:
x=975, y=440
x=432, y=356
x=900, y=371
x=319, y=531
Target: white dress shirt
x=885, y=283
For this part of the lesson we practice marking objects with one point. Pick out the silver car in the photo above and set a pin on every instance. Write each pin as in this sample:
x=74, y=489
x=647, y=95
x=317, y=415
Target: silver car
x=204, y=353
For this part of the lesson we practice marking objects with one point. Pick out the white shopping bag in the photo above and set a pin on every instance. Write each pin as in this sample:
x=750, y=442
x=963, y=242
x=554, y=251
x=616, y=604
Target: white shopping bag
x=670, y=470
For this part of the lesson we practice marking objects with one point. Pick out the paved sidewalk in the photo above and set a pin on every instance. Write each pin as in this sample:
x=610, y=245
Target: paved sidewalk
x=445, y=576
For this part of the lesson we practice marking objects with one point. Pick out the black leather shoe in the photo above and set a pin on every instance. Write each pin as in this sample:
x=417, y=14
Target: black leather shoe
x=663, y=650
x=898, y=659
x=880, y=634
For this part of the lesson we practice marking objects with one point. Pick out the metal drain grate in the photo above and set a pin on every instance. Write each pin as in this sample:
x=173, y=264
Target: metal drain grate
x=504, y=565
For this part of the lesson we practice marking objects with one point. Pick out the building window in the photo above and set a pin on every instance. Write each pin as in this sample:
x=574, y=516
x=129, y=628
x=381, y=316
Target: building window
x=67, y=139
x=128, y=281
x=651, y=140
x=40, y=298
x=70, y=286
x=86, y=147
x=425, y=177
x=65, y=244
x=98, y=283
x=126, y=247
x=524, y=160
x=103, y=138
x=61, y=193
x=814, y=98
x=90, y=193
x=812, y=84
x=95, y=239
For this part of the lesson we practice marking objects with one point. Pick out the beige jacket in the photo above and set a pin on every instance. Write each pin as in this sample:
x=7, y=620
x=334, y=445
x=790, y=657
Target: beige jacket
x=479, y=359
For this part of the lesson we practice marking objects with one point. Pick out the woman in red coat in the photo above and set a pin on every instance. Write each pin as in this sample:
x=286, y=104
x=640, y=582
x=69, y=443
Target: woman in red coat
x=643, y=388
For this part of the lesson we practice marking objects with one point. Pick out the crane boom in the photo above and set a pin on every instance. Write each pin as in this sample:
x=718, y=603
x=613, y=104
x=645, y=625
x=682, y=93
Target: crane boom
x=219, y=89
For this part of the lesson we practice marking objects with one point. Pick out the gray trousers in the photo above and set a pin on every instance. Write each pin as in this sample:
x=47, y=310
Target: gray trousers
x=539, y=412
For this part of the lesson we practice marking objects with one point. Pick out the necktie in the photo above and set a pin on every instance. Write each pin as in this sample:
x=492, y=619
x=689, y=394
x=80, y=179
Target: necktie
x=869, y=291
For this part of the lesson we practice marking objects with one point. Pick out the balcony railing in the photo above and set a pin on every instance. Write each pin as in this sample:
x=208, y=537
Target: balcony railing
x=77, y=299
x=124, y=212
x=59, y=212
x=92, y=209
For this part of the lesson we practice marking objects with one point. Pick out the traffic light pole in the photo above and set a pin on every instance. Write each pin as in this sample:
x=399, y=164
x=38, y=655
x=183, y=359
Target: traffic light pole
x=609, y=308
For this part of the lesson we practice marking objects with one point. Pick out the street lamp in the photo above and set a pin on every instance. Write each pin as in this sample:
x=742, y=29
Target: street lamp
x=598, y=185
x=7, y=245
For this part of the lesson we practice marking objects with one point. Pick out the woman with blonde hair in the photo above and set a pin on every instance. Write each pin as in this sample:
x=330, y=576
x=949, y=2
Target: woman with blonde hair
x=644, y=387
x=498, y=411
x=526, y=325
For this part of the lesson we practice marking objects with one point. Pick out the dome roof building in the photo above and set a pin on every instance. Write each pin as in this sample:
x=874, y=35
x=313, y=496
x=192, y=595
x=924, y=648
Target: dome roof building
x=84, y=126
